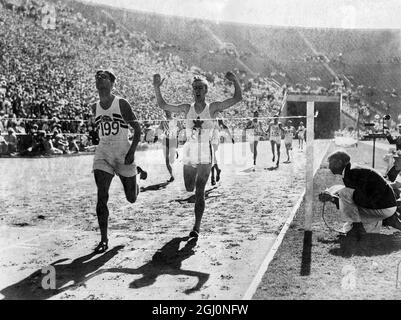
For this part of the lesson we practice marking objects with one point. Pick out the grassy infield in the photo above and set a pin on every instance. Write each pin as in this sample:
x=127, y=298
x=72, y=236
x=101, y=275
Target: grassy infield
x=340, y=268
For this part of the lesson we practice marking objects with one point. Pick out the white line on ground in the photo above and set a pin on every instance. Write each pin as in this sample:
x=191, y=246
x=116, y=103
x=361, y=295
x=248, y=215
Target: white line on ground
x=270, y=254
x=24, y=246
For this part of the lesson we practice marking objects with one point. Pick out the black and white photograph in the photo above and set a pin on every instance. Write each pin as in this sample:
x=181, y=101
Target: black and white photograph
x=200, y=150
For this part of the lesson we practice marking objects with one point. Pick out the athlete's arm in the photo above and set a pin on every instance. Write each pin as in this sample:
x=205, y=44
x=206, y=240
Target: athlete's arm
x=261, y=128
x=219, y=106
x=280, y=125
x=130, y=118
x=157, y=82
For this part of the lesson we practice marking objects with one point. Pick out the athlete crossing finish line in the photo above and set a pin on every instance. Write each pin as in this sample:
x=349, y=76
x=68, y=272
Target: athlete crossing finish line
x=114, y=154
x=168, y=134
x=254, y=132
x=220, y=126
x=197, y=151
x=289, y=132
x=275, y=132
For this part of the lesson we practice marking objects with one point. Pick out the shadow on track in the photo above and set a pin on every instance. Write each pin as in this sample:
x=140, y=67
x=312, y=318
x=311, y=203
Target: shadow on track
x=191, y=199
x=77, y=271
x=370, y=244
x=166, y=261
x=155, y=187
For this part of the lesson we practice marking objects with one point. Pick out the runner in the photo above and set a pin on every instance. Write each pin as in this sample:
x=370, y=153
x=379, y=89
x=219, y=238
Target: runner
x=168, y=133
x=301, y=135
x=114, y=154
x=289, y=132
x=225, y=129
x=254, y=132
x=215, y=141
x=275, y=131
x=200, y=123
x=220, y=126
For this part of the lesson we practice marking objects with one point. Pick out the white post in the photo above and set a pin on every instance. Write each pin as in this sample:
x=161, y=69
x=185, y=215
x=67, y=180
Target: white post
x=310, y=123
x=341, y=113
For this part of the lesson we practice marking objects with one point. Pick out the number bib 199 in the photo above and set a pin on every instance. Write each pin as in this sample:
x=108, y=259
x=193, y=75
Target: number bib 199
x=107, y=128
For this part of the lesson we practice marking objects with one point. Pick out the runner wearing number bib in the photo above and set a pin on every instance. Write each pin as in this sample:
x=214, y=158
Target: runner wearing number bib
x=115, y=154
x=114, y=144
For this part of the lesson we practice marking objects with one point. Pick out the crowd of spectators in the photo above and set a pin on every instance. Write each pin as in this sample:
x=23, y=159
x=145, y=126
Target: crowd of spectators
x=47, y=83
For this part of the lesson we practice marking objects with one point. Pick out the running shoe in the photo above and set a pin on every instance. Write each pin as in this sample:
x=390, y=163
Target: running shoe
x=101, y=247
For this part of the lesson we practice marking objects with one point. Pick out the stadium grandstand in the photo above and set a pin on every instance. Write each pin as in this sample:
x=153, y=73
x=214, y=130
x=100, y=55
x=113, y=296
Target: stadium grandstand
x=49, y=51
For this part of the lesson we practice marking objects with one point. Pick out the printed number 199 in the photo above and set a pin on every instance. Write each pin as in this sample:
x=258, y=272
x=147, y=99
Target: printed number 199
x=108, y=128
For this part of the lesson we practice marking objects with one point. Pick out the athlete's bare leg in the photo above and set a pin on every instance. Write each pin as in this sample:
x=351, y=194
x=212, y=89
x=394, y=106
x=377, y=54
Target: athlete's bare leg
x=272, y=143
x=168, y=158
x=189, y=177
x=169, y=168
x=215, y=166
x=278, y=154
x=168, y=165
x=131, y=188
x=103, y=181
x=202, y=176
x=255, y=152
x=251, y=146
x=301, y=144
x=287, y=149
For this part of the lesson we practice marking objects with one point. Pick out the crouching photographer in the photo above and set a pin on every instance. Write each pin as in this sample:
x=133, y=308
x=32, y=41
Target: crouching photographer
x=366, y=200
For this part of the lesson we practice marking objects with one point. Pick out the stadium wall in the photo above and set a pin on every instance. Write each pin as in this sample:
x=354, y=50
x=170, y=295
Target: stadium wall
x=327, y=121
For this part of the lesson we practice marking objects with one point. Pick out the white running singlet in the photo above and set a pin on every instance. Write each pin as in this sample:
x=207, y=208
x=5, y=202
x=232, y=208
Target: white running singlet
x=197, y=149
x=113, y=141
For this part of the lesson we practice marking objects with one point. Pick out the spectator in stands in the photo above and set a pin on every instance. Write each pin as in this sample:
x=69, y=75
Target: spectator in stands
x=45, y=125
x=3, y=145
x=38, y=146
x=47, y=143
x=60, y=143
x=49, y=78
x=11, y=140
x=2, y=127
x=34, y=129
x=72, y=144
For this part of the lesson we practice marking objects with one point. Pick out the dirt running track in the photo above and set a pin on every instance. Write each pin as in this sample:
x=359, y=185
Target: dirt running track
x=47, y=216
